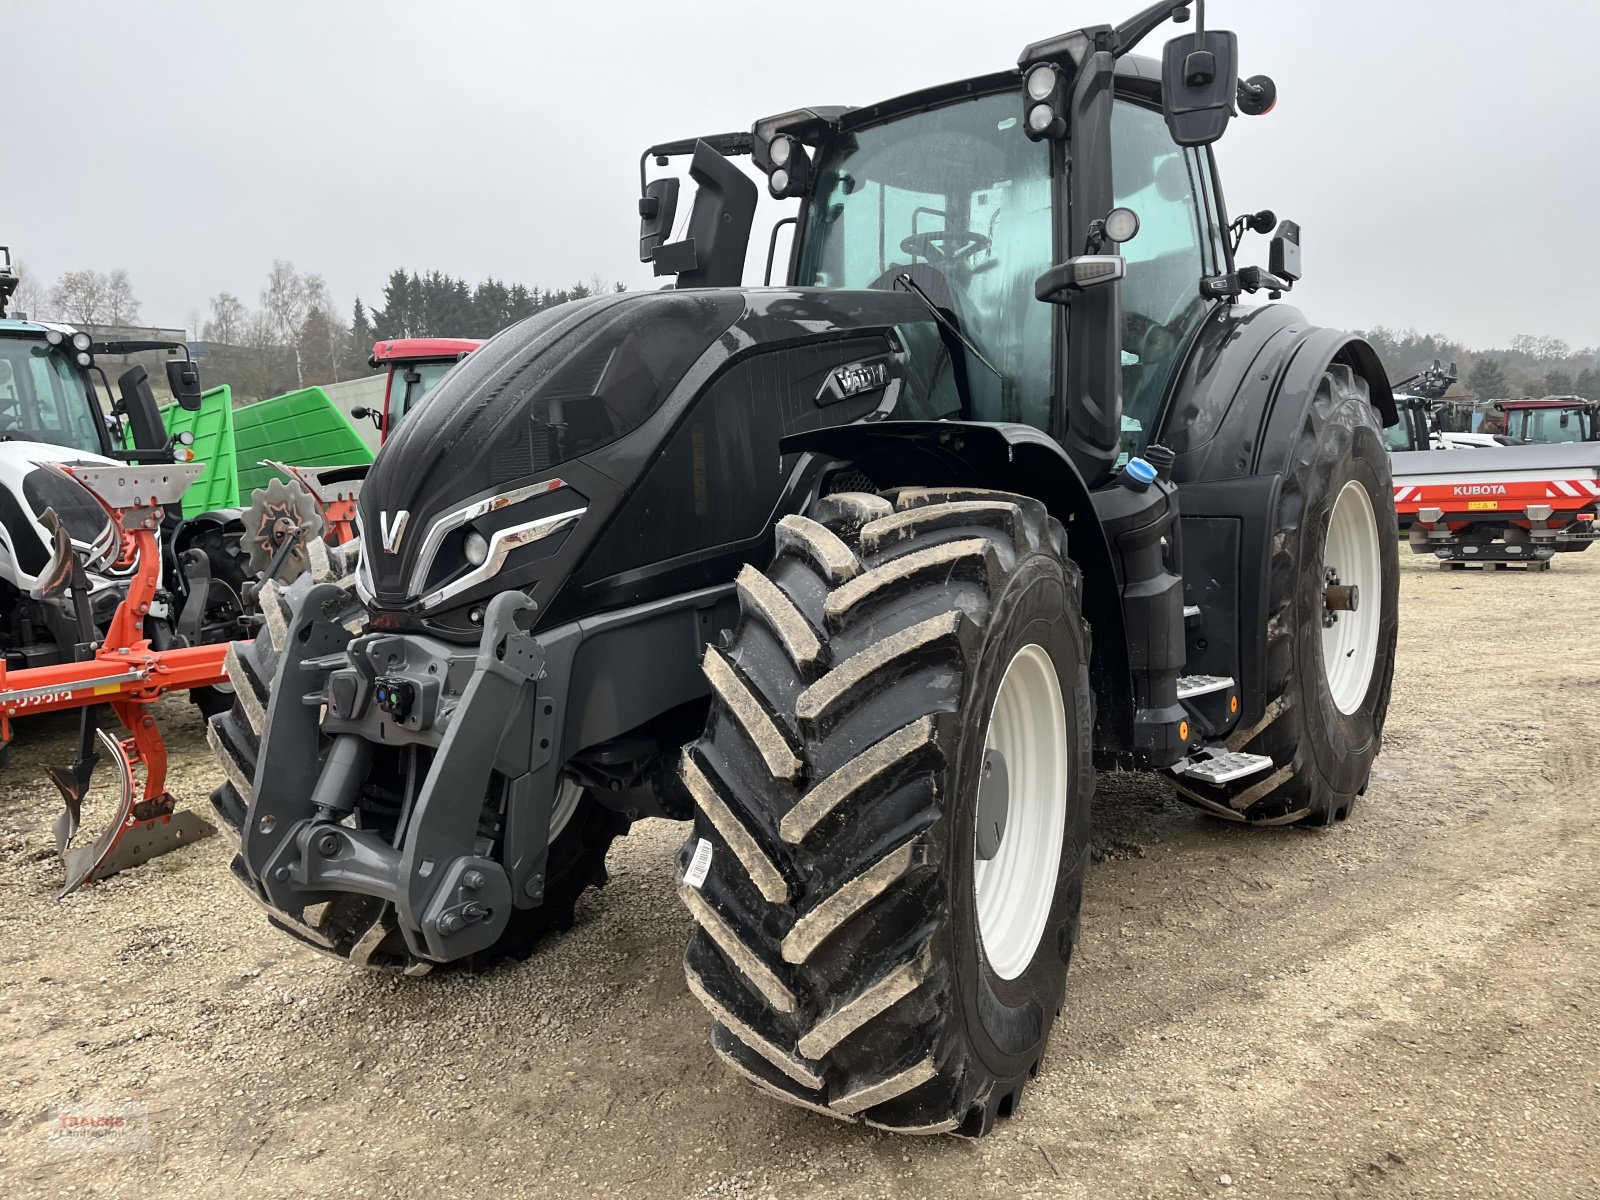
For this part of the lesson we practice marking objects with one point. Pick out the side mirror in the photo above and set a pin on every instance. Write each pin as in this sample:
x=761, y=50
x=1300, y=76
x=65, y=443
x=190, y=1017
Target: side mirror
x=183, y=377
x=138, y=404
x=1199, y=80
x=658, y=208
x=712, y=251
x=1283, y=255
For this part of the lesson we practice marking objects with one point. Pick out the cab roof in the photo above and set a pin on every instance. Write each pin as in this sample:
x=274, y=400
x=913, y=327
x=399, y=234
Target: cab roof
x=1547, y=402
x=11, y=326
x=422, y=349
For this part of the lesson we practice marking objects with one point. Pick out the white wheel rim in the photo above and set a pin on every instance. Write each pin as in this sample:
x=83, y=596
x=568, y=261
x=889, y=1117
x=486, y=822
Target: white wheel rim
x=566, y=804
x=1016, y=888
x=1350, y=643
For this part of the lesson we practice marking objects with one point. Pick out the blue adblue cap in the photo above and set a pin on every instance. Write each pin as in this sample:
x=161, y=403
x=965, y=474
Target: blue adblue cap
x=1140, y=472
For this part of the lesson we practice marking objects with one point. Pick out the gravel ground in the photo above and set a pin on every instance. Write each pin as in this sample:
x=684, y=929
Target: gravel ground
x=1401, y=1006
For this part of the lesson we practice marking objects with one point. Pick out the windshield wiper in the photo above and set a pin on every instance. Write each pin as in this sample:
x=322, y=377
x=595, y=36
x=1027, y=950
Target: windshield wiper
x=910, y=285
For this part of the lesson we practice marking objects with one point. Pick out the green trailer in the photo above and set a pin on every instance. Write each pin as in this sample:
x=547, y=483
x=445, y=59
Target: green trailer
x=302, y=427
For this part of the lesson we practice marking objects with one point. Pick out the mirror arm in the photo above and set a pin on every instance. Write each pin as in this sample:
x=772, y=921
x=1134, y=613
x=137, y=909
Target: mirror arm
x=1137, y=27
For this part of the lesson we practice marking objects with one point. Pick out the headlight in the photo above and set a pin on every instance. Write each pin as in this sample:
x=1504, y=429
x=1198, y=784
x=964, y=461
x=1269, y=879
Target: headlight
x=81, y=341
x=476, y=548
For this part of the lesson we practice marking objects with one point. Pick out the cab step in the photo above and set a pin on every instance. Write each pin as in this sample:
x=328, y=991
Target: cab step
x=1216, y=764
x=1190, y=686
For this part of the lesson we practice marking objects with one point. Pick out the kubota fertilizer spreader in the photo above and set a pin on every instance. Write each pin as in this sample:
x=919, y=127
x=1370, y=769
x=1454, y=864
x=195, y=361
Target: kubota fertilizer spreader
x=1505, y=505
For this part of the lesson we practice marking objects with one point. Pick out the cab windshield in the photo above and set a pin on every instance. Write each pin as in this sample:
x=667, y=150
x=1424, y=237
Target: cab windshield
x=1408, y=434
x=954, y=202
x=43, y=397
x=1549, y=424
x=411, y=383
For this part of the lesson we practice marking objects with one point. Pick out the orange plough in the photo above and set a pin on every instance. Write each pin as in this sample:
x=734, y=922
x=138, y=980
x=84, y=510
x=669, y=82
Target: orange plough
x=122, y=671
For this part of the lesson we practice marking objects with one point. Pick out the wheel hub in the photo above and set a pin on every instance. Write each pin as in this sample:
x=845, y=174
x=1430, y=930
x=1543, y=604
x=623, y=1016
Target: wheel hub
x=1338, y=598
x=994, y=804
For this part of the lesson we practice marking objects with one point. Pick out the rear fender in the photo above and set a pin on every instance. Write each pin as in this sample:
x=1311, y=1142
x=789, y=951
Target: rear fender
x=1233, y=423
x=1015, y=458
x=1245, y=388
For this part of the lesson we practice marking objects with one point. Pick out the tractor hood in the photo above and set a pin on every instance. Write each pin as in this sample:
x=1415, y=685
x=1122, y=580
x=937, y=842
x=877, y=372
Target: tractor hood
x=549, y=425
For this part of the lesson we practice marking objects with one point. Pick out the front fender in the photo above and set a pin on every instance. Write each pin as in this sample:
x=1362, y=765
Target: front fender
x=1015, y=458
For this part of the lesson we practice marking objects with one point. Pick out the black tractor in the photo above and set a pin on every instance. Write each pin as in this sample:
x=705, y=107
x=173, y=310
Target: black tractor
x=866, y=574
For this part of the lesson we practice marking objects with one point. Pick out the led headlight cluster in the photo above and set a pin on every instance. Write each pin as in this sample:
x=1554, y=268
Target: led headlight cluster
x=789, y=167
x=1044, y=102
x=78, y=341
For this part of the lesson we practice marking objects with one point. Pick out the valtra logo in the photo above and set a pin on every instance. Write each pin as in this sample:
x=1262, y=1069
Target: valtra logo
x=1480, y=489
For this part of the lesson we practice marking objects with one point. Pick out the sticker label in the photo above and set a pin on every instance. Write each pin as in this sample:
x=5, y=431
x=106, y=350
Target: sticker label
x=699, y=865
x=1481, y=505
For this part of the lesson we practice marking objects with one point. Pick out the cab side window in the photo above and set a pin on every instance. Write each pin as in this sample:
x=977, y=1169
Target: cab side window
x=1161, y=302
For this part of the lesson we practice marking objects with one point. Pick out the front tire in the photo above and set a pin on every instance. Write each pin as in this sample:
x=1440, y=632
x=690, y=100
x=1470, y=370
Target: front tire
x=884, y=928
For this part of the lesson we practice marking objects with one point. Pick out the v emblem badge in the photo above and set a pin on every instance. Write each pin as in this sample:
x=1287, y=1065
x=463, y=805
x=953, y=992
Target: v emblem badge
x=392, y=533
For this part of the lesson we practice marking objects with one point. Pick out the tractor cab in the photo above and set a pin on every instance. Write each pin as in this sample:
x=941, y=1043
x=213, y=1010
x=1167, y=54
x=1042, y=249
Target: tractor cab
x=48, y=394
x=414, y=366
x=959, y=195
x=1419, y=399
x=1551, y=420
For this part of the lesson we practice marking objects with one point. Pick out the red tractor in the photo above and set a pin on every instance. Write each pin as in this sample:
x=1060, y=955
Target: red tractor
x=1552, y=419
x=415, y=365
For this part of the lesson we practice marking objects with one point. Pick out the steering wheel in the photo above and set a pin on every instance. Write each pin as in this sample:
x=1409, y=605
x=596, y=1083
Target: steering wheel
x=944, y=247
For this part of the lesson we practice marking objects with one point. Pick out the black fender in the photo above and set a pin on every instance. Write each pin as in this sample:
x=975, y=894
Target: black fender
x=187, y=531
x=1245, y=385
x=1239, y=406
x=225, y=519
x=1016, y=458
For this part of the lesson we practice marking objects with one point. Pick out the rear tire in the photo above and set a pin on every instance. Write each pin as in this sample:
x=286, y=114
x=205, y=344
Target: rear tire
x=1321, y=729
x=863, y=950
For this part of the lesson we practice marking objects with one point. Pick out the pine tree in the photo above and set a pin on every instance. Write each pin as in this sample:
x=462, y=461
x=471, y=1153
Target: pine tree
x=1488, y=379
x=358, y=354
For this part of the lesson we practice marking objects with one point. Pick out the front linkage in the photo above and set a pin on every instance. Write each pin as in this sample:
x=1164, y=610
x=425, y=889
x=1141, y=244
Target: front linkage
x=313, y=831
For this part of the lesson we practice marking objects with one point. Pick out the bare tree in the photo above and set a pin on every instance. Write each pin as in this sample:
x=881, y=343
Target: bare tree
x=1553, y=349
x=326, y=329
x=31, y=296
x=284, y=303
x=229, y=320
x=266, y=367
x=122, y=307
x=80, y=297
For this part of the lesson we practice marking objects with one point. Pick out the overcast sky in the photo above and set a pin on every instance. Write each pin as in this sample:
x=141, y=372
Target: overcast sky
x=1441, y=157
